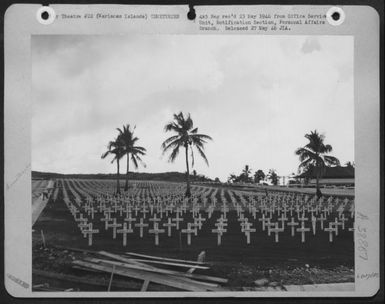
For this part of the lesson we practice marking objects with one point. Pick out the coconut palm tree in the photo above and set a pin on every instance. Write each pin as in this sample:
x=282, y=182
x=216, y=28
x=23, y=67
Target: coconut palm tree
x=186, y=137
x=259, y=175
x=245, y=174
x=314, y=155
x=128, y=139
x=273, y=177
x=116, y=149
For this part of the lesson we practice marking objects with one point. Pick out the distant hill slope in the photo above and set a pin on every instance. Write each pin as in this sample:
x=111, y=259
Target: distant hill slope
x=164, y=176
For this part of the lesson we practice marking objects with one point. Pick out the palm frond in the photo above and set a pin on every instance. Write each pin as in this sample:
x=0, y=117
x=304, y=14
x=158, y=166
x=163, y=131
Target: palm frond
x=331, y=160
x=174, y=154
x=202, y=154
x=133, y=158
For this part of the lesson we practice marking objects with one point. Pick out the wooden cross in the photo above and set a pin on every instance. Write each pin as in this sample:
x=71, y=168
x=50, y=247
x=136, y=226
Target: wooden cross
x=151, y=209
x=264, y=221
x=303, y=230
x=177, y=219
x=220, y=223
x=195, y=226
x=283, y=218
x=254, y=212
x=144, y=211
x=155, y=220
x=188, y=231
x=239, y=209
x=92, y=211
x=322, y=218
x=114, y=226
x=279, y=208
x=292, y=224
x=199, y=221
x=83, y=225
x=343, y=220
x=244, y=223
x=120, y=209
x=222, y=220
x=336, y=223
x=106, y=220
x=330, y=229
x=169, y=225
x=219, y=231
x=156, y=231
x=136, y=208
x=124, y=231
x=247, y=230
x=303, y=218
x=130, y=220
x=224, y=210
x=269, y=225
x=276, y=230
x=291, y=208
x=313, y=223
x=210, y=211
x=160, y=211
x=141, y=225
x=107, y=213
x=90, y=232
x=128, y=211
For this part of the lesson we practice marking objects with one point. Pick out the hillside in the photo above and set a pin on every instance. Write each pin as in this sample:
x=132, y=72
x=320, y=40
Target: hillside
x=164, y=176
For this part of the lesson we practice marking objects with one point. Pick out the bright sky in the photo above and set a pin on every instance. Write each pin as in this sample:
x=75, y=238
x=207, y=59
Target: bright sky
x=256, y=96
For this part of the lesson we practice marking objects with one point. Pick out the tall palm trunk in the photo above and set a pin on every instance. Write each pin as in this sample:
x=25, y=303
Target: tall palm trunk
x=117, y=178
x=318, y=173
x=188, y=190
x=128, y=168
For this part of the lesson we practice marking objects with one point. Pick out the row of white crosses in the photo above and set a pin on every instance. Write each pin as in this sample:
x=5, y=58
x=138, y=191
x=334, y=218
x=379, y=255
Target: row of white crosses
x=254, y=203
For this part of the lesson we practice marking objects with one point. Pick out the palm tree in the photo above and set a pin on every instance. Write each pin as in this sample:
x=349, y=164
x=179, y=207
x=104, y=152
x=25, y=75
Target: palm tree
x=232, y=178
x=186, y=137
x=128, y=139
x=245, y=174
x=259, y=176
x=115, y=148
x=314, y=155
x=273, y=177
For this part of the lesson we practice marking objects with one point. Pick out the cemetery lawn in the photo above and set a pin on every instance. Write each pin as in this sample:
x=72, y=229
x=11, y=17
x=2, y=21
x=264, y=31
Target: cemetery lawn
x=288, y=262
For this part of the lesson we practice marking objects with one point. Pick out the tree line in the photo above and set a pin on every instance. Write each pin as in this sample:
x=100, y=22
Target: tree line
x=259, y=176
x=185, y=138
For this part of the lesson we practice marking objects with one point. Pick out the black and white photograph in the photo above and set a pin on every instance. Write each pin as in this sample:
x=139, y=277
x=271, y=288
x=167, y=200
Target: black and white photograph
x=196, y=163
x=199, y=160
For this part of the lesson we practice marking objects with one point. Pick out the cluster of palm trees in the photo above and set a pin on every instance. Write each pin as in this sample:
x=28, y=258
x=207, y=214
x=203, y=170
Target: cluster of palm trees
x=312, y=155
x=125, y=145
x=185, y=136
x=259, y=175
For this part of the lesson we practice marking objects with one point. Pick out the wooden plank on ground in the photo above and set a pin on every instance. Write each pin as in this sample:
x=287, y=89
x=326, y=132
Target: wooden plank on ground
x=122, y=259
x=180, y=278
x=164, y=271
x=145, y=285
x=171, y=264
x=164, y=259
x=152, y=277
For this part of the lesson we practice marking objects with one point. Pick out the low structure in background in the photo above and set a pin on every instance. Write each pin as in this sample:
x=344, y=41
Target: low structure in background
x=331, y=176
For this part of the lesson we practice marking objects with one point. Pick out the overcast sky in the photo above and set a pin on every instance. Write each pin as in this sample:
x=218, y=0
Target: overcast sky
x=256, y=96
